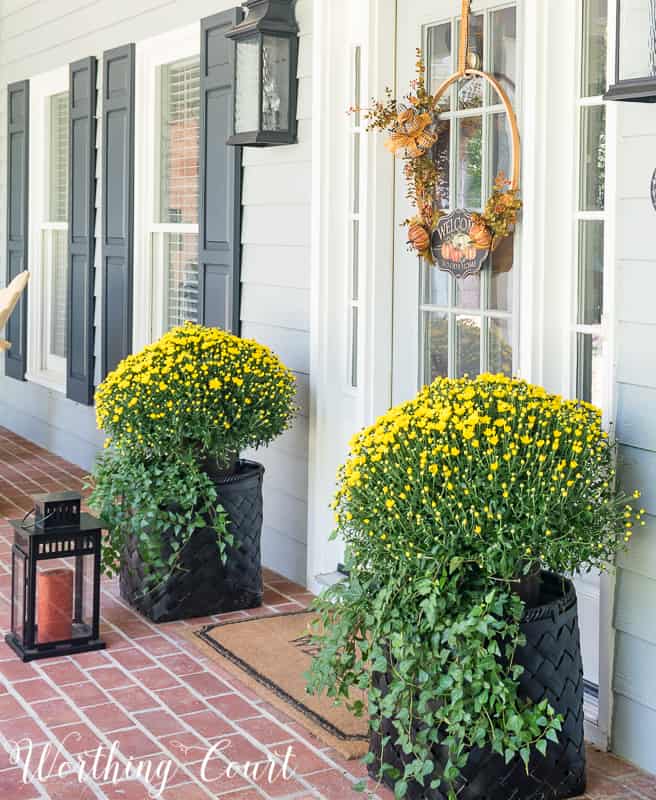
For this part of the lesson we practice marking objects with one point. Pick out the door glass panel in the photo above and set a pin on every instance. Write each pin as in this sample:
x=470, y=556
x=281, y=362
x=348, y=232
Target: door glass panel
x=591, y=272
x=593, y=158
x=503, y=51
x=439, y=65
x=500, y=146
x=468, y=346
x=436, y=345
x=442, y=159
x=471, y=90
x=589, y=369
x=437, y=285
x=499, y=345
x=468, y=292
x=500, y=284
x=468, y=168
x=595, y=36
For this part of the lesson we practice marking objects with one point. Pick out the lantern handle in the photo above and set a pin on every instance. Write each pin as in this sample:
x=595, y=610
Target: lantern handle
x=464, y=37
x=510, y=112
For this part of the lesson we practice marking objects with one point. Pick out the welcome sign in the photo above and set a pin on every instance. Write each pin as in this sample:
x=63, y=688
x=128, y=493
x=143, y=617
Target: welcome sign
x=460, y=244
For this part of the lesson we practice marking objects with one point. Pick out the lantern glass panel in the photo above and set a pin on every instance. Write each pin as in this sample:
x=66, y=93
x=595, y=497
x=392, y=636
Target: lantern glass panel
x=247, y=93
x=18, y=593
x=637, y=39
x=275, y=83
x=64, y=599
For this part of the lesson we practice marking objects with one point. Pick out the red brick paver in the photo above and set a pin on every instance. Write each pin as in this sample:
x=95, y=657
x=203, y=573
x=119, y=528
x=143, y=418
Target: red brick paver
x=163, y=702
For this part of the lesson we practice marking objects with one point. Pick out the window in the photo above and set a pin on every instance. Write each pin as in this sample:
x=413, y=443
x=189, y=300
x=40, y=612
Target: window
x=49, y=106
x=167, y=182
x=354, y=221
x=468, y=325
x=589, y=334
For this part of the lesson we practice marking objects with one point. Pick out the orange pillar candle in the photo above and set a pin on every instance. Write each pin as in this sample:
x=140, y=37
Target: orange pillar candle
x=55, y=605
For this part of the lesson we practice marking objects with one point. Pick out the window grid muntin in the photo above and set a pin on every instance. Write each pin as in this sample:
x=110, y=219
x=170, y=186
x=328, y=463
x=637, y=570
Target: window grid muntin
x=487, y=111
x=595, y=334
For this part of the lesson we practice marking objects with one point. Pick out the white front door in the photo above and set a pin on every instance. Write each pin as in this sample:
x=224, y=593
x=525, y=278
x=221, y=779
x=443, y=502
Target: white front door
x=444, y=326
x=448, y=327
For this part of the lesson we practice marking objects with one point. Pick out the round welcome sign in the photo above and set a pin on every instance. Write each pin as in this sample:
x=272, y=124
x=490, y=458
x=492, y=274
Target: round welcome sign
x=460, y=244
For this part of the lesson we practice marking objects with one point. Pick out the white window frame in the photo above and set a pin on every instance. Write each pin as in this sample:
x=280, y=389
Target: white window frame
x=150, y=285
x=42, y=367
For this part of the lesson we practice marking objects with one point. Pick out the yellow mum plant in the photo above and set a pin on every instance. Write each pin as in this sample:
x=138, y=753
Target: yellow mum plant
x=444, y=503
x=197, y=396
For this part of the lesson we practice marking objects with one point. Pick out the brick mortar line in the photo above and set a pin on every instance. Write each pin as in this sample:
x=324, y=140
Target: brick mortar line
x=294, y=734
x=208, y=707
x=50, y=738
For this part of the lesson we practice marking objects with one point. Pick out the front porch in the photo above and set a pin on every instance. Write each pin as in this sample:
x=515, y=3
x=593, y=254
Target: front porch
x=161, y=698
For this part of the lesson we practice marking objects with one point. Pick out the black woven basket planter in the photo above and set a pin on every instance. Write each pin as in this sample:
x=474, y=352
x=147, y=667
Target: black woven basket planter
x=553, y=669
x=201, y=585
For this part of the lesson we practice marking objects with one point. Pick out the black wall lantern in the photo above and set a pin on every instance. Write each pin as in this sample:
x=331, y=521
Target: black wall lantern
x=55, y=583
x=266, y=86
x=635, y=51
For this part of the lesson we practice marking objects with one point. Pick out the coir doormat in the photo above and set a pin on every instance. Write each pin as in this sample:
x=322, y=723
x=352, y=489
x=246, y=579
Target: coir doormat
x=271, y=655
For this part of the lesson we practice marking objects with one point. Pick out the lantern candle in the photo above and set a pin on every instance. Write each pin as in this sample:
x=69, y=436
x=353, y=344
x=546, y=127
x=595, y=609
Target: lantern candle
x=55, y=605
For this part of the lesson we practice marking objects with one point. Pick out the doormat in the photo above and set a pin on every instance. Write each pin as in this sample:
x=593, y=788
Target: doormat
x=271, y=656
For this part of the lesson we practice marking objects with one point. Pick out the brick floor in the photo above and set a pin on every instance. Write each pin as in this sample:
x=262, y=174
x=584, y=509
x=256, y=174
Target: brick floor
x=164, y=702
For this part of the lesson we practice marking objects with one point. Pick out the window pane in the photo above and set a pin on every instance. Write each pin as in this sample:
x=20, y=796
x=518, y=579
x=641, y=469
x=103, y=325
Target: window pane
x=499, y=346
x=637, y=39
x=470, y=141
x=436, y=346
x=180, y=254
x=500, y=147
x=442, y=159
x=468, y=291
x=438, y=62
x=437, y=286
x=355, y=267
x=503, y=50
x=356, y=173
x=275, y=86
x=593, y=158
x=354, y=346
x=58, y=194
x=589, y=370
x=500, y=283
x=58, y=302
x=468, y=346
x=180, y=141
x=594, y=45
x=591, y=272
x=247, y=91
x=470, y=90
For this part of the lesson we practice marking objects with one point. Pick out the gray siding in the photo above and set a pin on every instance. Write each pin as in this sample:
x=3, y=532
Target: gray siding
x=40, y=35
x=634, y=710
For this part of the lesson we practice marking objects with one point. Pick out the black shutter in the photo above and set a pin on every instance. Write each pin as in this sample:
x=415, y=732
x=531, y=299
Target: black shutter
x=81, y=230
x=18, y=119
x=220, y=177
x=117, y=204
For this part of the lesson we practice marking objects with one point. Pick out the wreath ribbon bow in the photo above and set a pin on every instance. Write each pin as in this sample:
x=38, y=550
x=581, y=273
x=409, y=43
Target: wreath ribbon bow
x=411, y=134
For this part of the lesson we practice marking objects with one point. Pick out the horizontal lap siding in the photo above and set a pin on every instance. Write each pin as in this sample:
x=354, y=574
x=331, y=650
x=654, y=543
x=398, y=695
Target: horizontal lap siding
x=39, y=36
x=275, y=308
x=634, y=712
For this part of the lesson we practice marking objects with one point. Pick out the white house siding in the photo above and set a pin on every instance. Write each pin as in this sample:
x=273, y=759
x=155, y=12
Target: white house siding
x=40, y=35
x=276, y=306
x=634, y=718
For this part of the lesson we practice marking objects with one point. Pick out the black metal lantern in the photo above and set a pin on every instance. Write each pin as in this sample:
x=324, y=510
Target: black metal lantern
x=635, y=50
x=266, y=86
x=55, y=583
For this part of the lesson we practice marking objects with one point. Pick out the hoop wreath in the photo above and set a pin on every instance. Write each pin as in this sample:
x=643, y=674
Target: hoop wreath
x=412, y=125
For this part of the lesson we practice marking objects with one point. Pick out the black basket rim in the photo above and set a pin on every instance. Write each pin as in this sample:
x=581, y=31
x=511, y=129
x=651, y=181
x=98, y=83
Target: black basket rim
x=245, y=469
x=562, y=603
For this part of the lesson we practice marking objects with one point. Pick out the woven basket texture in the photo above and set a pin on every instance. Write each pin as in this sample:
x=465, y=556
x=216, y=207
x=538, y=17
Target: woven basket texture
x=553, y=669
x=201, y=585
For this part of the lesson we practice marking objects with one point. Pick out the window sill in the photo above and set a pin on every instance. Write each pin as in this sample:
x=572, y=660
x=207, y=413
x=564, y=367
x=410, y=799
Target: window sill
x=52, y=381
